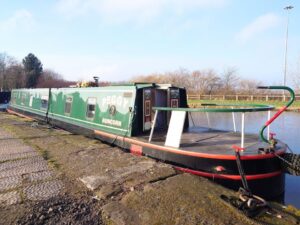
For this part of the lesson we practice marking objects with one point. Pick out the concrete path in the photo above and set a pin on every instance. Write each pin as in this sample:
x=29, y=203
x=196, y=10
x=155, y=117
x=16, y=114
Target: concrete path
x=24, y=174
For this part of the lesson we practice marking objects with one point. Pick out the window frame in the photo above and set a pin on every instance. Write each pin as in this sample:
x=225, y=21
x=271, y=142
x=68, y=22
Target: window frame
x=67, y=101
x=87, y=107
x=23, y=99
x=44, y=98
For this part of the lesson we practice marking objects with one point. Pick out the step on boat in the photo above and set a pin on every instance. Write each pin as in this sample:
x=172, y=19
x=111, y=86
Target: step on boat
x=154, y=120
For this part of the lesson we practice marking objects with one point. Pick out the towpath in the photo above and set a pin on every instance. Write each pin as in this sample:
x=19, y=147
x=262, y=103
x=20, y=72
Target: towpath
x=50, y=176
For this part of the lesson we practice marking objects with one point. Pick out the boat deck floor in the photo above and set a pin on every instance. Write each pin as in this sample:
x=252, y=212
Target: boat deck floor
x=212, y=141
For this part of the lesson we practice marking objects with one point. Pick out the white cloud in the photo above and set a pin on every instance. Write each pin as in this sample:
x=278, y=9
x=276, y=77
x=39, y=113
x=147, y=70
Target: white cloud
x=21, y=20
x=131, y=10
x=258, y=26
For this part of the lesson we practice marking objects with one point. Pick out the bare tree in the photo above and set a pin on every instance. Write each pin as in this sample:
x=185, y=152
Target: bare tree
x=178, y=77
x=203, y=82
x=248, y=87
x=230, y=81
x=15, y=76
x=11, y=73
x=296, y=77
x=51, y=79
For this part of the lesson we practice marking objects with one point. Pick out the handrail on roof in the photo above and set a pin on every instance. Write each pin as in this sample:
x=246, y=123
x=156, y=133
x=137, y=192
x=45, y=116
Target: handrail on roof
x=225, y=108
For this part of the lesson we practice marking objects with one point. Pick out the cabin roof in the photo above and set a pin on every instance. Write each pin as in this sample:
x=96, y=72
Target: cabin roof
x=125, y=86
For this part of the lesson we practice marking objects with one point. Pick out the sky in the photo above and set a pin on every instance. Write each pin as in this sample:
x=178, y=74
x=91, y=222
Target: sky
x=119, y=39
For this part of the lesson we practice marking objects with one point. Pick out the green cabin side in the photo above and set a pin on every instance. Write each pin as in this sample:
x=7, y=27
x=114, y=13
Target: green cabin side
x=108, y=108
x=122, y=110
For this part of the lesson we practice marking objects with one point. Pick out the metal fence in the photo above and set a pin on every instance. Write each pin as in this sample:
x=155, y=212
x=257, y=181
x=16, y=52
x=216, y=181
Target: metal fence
x=242, y=97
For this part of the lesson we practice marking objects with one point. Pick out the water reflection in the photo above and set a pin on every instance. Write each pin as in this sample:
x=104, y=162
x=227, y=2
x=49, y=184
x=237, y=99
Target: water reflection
x=286, y=127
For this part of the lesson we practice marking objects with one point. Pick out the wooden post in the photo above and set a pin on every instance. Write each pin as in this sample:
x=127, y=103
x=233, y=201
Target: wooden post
x=236, y=97
x=267, y=98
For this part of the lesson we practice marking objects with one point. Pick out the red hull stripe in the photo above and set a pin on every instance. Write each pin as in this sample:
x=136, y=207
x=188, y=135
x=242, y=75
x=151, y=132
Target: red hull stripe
x=18, y=114
x=136, y=150
x=187, y=153
x=229, y=177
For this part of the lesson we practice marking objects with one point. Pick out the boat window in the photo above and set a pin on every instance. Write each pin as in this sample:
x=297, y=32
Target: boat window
x=147, y=108
x=23, y=98
x=68, y=105
x=44, y=102
x=14, y=98
x=30, y=100
x=91, y=108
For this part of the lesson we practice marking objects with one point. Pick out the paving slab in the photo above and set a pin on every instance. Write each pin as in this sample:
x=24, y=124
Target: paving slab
x=21, y=162
x=15, y=149
x=10, y=198
x=10, y=183
x=43, y=191
x=129, y=176
x=23, y=170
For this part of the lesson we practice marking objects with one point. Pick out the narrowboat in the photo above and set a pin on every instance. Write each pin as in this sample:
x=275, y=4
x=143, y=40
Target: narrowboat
x=154, y=120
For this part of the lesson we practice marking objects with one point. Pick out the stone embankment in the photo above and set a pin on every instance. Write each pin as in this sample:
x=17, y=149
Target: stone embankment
x=50, y=176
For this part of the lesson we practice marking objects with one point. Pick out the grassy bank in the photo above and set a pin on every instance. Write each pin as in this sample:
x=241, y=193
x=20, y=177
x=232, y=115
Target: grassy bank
x=277, y=104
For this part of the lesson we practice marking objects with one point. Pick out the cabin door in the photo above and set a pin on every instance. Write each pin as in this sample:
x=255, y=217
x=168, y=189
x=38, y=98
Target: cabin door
x=160, y=100
x=147, y=101
x=174, y=98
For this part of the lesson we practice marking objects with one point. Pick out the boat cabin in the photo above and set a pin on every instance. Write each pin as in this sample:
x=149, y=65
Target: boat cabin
x=120, y=109
x=156, y=95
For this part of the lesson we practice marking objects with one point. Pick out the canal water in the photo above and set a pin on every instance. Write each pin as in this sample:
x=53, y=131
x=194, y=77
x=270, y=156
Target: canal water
x=286, y=127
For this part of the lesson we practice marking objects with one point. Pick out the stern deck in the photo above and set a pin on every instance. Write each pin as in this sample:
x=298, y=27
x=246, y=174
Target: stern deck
x=211, y=141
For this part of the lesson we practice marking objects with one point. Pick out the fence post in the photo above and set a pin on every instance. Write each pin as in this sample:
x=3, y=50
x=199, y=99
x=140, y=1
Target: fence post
x=237, y=97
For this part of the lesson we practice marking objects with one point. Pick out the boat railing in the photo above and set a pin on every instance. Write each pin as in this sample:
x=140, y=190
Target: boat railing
x=177, y=123
x=207, y=109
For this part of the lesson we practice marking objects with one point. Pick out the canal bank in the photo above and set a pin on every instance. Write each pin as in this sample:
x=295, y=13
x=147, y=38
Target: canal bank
x=118, y=187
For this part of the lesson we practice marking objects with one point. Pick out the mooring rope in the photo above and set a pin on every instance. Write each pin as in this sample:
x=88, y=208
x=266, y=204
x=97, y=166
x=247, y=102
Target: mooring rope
x=291, y=163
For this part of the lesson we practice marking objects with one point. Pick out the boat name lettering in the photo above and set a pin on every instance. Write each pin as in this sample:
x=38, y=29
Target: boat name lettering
x=116, y=100
x=112, y=122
